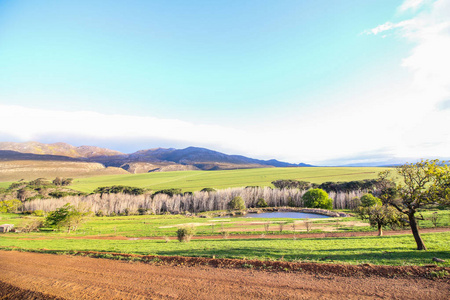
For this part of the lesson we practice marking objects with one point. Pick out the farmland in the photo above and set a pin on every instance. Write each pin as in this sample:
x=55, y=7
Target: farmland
x=155, y=235
x=45, y=276
x=269, y=257
x=196, y=180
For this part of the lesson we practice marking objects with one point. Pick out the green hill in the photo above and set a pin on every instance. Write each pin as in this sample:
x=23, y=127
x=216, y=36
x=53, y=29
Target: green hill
x=196, y=180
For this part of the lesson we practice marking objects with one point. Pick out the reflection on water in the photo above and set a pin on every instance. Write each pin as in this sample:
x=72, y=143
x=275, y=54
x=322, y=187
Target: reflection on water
x=293, y=215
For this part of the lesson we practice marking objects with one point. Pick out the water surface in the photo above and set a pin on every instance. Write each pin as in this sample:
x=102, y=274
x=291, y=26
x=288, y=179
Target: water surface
x=287, y=214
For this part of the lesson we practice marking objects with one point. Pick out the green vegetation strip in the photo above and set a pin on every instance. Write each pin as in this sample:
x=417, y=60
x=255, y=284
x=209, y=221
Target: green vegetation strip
x=388, y=250
x=197, y=180
x=5, y=184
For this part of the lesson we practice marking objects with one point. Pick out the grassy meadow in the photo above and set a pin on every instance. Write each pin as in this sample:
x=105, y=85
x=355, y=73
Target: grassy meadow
x=387, y=250
x=190, y=181
x=127, y=234
x=5, y=184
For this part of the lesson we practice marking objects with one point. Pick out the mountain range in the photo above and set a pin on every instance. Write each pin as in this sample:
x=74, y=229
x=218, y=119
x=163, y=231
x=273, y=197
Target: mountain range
x=142, y=161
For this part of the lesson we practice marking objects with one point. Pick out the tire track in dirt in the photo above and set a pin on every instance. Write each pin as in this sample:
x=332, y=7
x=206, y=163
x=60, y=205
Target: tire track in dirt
x=74, y=277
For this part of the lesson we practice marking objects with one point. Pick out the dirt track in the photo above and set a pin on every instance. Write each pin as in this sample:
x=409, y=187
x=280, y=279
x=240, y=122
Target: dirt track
x=45, y=276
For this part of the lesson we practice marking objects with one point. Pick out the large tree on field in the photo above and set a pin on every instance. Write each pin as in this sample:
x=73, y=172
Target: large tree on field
x=379, y=216
x=67, y=216
x=423, y=183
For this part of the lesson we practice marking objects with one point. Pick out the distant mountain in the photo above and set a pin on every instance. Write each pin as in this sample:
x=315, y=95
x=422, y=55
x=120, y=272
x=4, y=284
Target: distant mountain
x=150, y=160
x=205, y=159
x=60, y=149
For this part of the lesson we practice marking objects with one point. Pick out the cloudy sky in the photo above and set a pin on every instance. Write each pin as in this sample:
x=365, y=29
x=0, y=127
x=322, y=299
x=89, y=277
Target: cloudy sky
x=322, y=82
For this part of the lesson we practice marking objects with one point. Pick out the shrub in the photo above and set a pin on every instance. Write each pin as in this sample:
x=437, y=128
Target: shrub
x=185, y=234
x=291, y=202
x=61, y=194
x=261, y=203
x=142, y=211
x=210, y=190
x=33, y=225
x=237, y=203
x=62, y=181
x=116, y=189
x=291, y=184
x=39, y=213
x=368, y=200
x=317, y=198
x=169, y=192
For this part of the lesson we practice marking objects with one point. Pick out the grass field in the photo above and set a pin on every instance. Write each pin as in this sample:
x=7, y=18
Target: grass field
x=196, y=180
x=388, y=250
x=166, y=225
x=5, y=184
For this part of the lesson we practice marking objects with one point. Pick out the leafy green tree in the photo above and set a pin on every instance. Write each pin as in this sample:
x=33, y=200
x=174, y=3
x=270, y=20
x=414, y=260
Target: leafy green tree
x=67, y=216
x=8, y=206
x=379, y=216
x=237, y=203
x=369, y=200
x=261, y=203
x=423, y=183
x=317, y=198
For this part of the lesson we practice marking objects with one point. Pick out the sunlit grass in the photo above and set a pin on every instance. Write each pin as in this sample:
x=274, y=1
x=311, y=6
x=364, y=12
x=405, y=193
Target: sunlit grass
x=196, y=180
x=388, y=250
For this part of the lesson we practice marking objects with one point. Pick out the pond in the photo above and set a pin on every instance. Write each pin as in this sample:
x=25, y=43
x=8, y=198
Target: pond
x=286, y=214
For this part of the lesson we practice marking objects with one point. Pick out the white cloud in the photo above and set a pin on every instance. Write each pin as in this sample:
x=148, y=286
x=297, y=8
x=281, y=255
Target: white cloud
x=31, y=124
x=411, y=4
x=417, y=105
x=388, y=26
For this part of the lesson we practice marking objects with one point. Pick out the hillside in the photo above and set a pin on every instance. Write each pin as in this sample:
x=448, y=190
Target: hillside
x=142, y=161
x=60, y=149
x=197, y=180
x=31, y=169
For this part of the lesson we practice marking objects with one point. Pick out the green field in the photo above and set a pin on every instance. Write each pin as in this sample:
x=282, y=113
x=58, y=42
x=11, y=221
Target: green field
x=388, y=250
x=5, y=184
x=196, y=180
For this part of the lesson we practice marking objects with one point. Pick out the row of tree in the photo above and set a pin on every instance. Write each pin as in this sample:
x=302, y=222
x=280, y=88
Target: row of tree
x=336, y=187
x=192, y=202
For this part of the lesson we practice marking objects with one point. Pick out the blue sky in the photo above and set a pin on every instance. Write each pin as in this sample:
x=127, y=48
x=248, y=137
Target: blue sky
x=294, y=80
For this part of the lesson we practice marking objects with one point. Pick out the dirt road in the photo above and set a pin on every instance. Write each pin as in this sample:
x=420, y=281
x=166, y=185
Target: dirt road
x=45, y=276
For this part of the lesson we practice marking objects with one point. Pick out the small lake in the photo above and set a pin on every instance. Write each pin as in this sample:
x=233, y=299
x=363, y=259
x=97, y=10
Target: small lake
x=286, y=214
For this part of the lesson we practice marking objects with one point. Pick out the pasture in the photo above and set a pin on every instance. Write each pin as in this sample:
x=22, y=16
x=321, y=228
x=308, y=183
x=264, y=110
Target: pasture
x=387, y=250
x=190, y=181
x=156, y=235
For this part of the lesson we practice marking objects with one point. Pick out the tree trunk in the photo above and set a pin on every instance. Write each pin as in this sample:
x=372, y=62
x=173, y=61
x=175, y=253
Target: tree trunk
x=380, y=230
x=415, y=231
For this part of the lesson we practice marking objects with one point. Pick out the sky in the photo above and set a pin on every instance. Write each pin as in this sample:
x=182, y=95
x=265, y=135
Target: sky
x=323, y=82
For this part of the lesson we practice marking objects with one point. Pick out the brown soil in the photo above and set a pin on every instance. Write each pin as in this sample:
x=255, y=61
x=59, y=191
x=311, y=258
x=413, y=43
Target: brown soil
x=44, y=276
